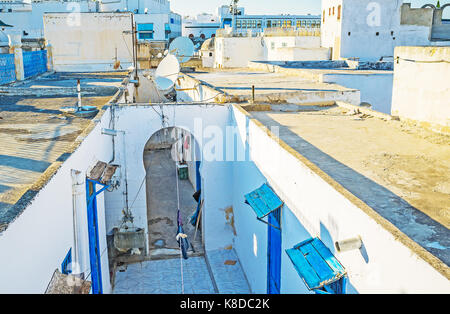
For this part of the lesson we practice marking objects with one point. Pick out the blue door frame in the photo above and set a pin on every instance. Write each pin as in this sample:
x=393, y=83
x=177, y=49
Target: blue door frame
x=198, y=177
x=274, y=253
x=94, y=246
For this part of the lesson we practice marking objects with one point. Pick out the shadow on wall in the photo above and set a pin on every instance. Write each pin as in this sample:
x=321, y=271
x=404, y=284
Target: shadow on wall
x=399, y=212
x=327, y=239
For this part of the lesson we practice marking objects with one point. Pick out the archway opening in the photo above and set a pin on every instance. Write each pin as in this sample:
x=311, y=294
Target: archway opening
x=172, y=163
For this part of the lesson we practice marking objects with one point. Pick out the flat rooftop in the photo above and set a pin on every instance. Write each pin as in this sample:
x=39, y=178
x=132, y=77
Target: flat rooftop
x=269, y=87
x=400, y=171
x=36, y=136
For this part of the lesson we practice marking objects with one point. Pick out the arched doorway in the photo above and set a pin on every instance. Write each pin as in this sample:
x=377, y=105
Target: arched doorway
x=170, y=155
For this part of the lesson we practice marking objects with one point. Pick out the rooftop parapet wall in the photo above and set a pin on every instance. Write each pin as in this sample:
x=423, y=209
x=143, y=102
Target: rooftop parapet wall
x=323, y=206
x=89, y=41
x=416, y=16
x=421, y=92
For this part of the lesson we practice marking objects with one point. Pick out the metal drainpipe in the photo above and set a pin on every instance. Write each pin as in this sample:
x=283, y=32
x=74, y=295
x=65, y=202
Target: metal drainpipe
x=79, y=95
x=125, y=167
x=75, y=193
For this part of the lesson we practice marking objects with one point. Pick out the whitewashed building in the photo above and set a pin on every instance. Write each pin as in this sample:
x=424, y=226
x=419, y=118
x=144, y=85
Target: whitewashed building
x=371, y=30
x=154, y=19
x=206, y=25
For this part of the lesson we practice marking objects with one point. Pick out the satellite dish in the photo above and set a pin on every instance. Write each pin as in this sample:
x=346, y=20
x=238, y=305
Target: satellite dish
x=182, y=48
x=167, y=73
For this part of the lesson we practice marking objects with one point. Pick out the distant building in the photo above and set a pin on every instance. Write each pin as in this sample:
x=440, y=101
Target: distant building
x=155, y=21
x=370, y=31
x=204, y=28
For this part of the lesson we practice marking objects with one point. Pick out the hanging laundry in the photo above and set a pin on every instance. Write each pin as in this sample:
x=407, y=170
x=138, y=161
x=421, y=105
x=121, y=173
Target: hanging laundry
x=187, y=142
x=181, y=237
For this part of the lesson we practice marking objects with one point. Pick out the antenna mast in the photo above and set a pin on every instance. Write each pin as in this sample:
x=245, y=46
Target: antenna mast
x=234, y=12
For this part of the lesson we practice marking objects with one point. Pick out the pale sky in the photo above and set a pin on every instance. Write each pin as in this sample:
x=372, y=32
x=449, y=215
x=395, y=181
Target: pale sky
x=194, y=7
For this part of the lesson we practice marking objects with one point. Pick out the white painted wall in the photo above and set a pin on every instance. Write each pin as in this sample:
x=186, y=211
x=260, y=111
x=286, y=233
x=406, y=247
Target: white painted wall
x=355, y=34
x=318, y=209
x=421, y=86
x=159, y=21
x=375, y=88
x=140, y=123
x=32, y=21
x=90, y=43
x=191, y=89
x=152, y=6
x=208, y=58
x=236, y=52
x=38, y=240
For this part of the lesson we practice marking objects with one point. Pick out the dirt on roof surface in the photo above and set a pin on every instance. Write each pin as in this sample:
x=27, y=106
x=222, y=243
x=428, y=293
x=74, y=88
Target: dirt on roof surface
x=239, y=81
x=36, y=136
x=401, y=171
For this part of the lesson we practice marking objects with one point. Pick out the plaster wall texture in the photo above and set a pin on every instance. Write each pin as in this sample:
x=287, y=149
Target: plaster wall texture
x=38, y=240
x=297, y=53
x=159, y=21
x=375, y=89
x=370, y=30
x=32, y=21
x=251, y=239
x=192, y=89
x=421, y=92
x=383, y=266
x=236, y=52
x=153, y=6
x=140, y=123
x=92, y=43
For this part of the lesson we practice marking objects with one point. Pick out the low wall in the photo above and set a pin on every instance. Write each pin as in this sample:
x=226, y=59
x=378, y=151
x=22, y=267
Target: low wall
x=421, y=90
x=375, y=88
x=34, y=62
x=193, y=90
x=298, y=54
x=90, y=41
x=7, y=69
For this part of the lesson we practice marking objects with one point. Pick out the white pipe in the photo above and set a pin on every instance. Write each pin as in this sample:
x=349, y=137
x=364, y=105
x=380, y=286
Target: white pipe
x=75, y=194
x=349, y=244
x=79, y=94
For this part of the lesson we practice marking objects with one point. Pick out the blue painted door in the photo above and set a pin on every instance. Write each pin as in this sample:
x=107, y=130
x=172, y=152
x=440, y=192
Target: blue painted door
x=274, y=253
x=94, y=249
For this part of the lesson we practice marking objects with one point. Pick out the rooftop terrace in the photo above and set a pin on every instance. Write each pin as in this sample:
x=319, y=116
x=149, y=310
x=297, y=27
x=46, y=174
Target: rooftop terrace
x=272, y=87
x=401, y=172
x=36, y=136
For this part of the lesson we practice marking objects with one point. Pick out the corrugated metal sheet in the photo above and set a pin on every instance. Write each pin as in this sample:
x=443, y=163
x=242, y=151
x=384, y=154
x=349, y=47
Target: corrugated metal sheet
x=263, y=201
x=315, y=263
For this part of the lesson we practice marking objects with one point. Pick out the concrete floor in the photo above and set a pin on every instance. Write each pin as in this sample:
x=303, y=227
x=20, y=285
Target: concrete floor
x=36, y=136
x=272, y=87
x=225, y=276
x=400, y=171
x=162, y=205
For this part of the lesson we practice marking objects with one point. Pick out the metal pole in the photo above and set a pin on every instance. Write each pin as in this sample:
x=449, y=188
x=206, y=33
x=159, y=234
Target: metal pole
x=79, y=95
x=253, y=93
